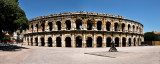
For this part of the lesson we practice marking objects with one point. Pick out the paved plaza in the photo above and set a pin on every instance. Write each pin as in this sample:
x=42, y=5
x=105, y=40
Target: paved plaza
x=57, y=55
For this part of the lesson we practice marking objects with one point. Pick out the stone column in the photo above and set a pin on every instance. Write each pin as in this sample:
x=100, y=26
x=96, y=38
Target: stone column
x=73, y=25
x=132, y=41
x=83, y=41
x=62, y=41
x=84, y=24
x=53, y=41
x=46, y=40
x=104, y=26
x=94, y=44
x=39, y=40
x=63, y=25
x=73, y=41
x=104, y=41
x=120, y=41
x=127, y=42
x=94, y=26
x=112, y=26
x=34, y=43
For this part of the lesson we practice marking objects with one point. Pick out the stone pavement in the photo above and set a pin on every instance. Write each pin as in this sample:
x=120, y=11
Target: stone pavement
x=55, y=55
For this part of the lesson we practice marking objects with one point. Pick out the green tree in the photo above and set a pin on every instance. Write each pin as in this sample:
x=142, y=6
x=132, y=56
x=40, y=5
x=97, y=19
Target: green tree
x=12, y=17
x=150, y=36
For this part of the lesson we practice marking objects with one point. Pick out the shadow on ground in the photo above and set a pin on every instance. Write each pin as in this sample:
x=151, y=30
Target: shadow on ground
x=11, y=48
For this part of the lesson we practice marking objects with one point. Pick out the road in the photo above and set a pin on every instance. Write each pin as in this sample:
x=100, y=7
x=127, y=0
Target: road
x=55, y=55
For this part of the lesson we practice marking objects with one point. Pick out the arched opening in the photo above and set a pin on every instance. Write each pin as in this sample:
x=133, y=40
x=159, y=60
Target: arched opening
x=134, y=41
x=50, y=42
x=78, y=24
x=42, y=41
x=129, y=42
x=123, y=27
x=36, y=39
x=37, y=27
x=31, y=41
x=108, y=42
x=117, y=42
x=50, y=26
x=89, y=42
x=58, y=42
x=68, y=41
x=68, y=25
x=123, y=41
x=108, y=25
x=78, y=41
x=115, y=26
x=99, y=42
x=28, y=40
x=58, y=23
x=99, y=25
x=43, y=27
x=138, y=41
x=137, y=29
x=89, y=25
x=133, y=28
x=129, y=27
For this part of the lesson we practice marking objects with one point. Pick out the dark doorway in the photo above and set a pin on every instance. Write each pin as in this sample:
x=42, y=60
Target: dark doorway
x=58, y=42
x=108, y=42
x=123, y=27
x=28, y=40
x=129, y=42
x=123, y=42
x=36, y=39
x=108, y=25
x=99, y=42
x=99, y=25
x=89, y=25
x=43, y=27
x=31, y=41
x=117, y=42
x=50, y=26
x=115, y=26
x=89, y=42
x=68, y=25
x=78, y=41
x=78, y=24
x=133, y=28
x=134, y=41
x=32, y=28
x=68, y=41
x=50, y=42
x=129, y=27
x=37, y=27
x=42, y=42
x=58, y=23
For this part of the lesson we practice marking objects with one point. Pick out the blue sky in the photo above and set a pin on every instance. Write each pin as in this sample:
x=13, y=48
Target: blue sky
x=146, y=12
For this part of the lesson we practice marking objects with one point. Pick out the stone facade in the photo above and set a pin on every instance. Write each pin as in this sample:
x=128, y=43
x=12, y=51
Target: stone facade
x=83, y=29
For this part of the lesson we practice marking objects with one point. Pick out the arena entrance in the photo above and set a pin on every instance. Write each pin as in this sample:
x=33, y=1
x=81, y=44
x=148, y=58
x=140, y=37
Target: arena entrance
x=78, y=24
x=129, y=42
x=89, y=42
x=99, y=25
x=58, y=42
x=36, y=39
x=50, y=42
x=123, y=42
x=78, y=41
x=42, y=41
x=89, y=25
x=68, y=41
x=134, y=41
x=117, y=42
x=58, y=23
x=50, y=26
x=43, y=27
x=68, y=25
x=99, y=42
x=108, y=44
x=31, y=41
x=108, y=25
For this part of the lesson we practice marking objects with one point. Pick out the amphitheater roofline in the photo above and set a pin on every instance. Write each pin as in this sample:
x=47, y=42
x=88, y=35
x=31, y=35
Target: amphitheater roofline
x=82, y=13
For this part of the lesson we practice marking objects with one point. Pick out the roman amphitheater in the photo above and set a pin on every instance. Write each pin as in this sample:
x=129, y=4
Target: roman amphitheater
x=83, y=29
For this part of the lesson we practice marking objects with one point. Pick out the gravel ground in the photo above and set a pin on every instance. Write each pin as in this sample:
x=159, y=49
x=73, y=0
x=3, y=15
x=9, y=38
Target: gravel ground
x=55, y=55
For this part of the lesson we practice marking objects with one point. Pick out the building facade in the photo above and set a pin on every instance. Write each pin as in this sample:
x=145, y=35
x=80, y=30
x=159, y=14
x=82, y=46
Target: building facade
x=83, y=29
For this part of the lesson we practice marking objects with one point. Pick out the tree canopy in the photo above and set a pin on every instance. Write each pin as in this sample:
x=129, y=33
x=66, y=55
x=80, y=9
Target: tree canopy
x=150, y=36
x=12, y=17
